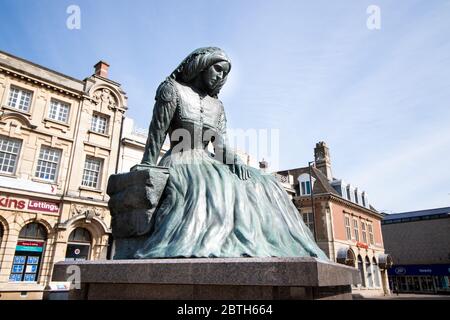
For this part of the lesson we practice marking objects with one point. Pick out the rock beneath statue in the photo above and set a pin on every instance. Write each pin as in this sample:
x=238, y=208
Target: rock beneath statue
x=134, y=197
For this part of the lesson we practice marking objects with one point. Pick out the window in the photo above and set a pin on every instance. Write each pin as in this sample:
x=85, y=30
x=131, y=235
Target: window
x=79, y=245
x=308, y=219
x=348, y=229
x=9, y=151
x=370, y=227
x=99, y=123
x=376, y=273
x=305, y=184
x=59, y=111
x=355, y=229
x=29, y=252
x=348, y=193
x=48, y=163
x=361, y=271
x=363, y=232
x=356, y=196
x=20, y=99
x=91, y=173
x=369, y=273
x=33, y=231
x=363, y=198
x=306, y=188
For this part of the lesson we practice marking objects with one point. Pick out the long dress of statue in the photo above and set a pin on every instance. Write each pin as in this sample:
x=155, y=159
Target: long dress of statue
x=210, y=208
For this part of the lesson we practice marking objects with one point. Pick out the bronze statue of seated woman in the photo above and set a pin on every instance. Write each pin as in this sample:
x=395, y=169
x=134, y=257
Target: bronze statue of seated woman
x=212, y=205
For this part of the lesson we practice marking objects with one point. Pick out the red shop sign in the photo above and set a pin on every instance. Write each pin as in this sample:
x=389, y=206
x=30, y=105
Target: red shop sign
x=362, y=245
x=30, y=244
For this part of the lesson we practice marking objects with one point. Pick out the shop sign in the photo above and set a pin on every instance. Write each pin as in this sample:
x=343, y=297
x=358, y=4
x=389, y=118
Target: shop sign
x=30, y=204
x=362, y=245
x=43, y=206
x=30, y=246
x=400, y=270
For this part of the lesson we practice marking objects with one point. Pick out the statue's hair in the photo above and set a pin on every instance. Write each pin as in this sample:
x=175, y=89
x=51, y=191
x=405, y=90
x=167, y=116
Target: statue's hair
x=197, y=62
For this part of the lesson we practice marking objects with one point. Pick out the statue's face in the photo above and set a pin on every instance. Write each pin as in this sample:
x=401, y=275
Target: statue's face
x=215, y=73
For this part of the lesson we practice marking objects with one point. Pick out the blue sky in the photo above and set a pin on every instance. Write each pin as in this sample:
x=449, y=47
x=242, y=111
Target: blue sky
x=312, y=69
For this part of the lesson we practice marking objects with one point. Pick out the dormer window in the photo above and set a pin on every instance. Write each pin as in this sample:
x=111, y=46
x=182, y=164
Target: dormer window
x=305, y=188
x=304, y=184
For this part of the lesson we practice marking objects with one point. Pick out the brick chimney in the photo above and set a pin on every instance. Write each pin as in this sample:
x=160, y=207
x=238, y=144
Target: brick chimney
x=101, y=69
x=323, y=160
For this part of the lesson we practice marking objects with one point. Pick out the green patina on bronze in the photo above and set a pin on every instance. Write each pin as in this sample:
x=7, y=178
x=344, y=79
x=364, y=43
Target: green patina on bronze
x=193, y=203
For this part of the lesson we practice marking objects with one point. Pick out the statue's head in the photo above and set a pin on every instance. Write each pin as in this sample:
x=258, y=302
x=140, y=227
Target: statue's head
x=206, y=66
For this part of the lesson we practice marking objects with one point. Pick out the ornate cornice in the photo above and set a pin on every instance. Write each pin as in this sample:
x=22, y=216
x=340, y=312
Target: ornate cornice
x=42, y=83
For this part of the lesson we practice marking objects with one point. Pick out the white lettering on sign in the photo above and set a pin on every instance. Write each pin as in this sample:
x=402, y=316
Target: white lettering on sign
x=43, y=206
x=34, y=205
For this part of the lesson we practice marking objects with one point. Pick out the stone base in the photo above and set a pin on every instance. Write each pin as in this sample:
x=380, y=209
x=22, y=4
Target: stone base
x=209, y=279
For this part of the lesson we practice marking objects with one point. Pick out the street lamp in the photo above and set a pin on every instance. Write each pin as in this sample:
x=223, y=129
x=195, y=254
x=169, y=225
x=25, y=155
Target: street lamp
x=312, y=199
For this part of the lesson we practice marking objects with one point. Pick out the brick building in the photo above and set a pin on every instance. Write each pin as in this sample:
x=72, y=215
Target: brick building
x=344, y=223
x=419, y=242
x=59, y=140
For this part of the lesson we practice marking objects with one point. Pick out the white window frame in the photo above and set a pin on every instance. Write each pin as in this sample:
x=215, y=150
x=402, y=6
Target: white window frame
x=45, y=162
x=356, y=229
x=371, y=236
x=56, y=111
x=21, y=97
x=348, y=228
x=364, y=232
x=303, y=181
x=308, y=219
x=86, y=180
x=7, y=152
x=96, y=125
x=304, y=186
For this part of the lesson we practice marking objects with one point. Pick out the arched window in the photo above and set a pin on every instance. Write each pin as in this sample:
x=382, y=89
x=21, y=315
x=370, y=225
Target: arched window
x=80, y=235
x=29, y=252
x=376, y=273
x=79, y=245
x=369, y=273
x=33, y=231
x=361, y=271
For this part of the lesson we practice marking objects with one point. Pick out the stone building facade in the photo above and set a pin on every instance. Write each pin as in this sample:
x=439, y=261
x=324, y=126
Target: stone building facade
x=345, y=226
x=419, y=242
x=59, y=139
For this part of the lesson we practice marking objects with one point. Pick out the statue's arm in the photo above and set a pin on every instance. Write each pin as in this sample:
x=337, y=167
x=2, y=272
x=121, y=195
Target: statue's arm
x=163, y=111
x=222, y=148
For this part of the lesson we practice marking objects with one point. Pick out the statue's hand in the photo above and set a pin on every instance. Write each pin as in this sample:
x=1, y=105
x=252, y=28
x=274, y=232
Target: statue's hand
x=240, y=170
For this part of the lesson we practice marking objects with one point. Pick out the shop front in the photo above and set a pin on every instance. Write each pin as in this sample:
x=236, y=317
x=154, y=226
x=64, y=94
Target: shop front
x=427, y=279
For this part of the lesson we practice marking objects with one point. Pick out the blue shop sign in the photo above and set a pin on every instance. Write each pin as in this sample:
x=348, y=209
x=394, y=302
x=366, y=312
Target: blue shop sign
x=420, y=270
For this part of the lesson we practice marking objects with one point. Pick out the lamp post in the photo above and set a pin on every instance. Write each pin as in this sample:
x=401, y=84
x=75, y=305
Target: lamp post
x=312, y=199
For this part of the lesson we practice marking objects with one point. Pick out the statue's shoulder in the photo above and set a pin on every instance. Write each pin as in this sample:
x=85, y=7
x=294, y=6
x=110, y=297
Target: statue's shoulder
x=166, y=91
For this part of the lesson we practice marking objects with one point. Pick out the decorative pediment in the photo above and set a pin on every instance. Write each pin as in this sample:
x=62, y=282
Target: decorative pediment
x=88, y=214
x=18, y=117
x=105, y=97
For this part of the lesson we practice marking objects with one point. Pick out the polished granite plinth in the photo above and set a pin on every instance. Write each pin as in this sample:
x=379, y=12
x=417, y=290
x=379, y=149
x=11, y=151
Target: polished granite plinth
x=209, y=279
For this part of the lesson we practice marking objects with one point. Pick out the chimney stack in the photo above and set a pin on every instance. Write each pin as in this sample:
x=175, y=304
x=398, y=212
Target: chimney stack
x=101, y=69
x=323, y=160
